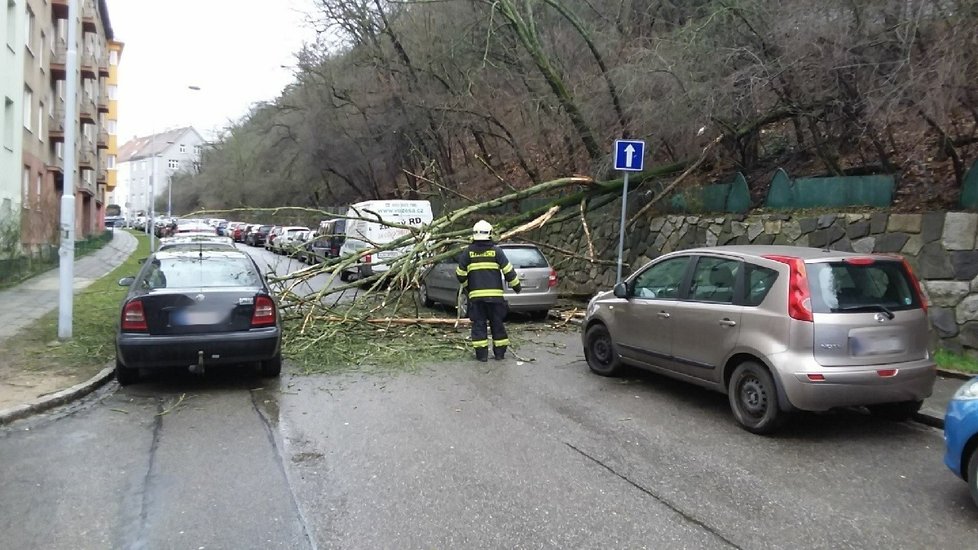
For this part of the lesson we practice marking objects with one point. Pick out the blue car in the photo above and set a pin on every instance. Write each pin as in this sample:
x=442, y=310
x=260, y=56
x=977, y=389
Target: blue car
x=961, y=435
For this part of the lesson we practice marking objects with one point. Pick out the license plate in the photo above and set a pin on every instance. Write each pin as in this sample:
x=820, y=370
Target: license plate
x=877, y=346
x=186, y=318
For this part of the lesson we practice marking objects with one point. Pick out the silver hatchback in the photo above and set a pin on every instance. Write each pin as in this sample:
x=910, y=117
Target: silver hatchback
x=776, y=328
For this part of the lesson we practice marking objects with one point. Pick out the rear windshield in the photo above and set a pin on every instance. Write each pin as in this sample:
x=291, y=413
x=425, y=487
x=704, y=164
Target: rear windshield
x=196, y=272
x=839, y=287
x=525, y=257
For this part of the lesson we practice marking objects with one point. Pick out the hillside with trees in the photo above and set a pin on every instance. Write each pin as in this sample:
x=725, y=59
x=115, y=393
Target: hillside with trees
x=462, y=100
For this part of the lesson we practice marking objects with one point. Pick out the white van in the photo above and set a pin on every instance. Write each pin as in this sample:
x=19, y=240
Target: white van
x=367, y=233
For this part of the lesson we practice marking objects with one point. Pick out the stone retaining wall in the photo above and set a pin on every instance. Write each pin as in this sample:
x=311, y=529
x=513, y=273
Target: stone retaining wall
x=940, y=246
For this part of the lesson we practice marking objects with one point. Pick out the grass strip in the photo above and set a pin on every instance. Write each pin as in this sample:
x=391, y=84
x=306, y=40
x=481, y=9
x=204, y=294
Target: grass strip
x=948, y=360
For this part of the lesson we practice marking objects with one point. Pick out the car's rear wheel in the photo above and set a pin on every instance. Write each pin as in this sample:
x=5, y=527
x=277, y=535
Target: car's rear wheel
x=599, y=351
x=423, y=295
x=463, y=305
x=124, y=375
x=271, y=367
x=754, y=399
x=540, y=315
x=896, y=411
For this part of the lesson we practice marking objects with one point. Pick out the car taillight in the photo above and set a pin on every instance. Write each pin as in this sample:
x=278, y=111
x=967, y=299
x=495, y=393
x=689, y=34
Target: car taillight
x=860, y=261
x=366, y=259
x=552, y=280
x=264, y=314
x=916, y=285
x=133, y=317
x=799, y=298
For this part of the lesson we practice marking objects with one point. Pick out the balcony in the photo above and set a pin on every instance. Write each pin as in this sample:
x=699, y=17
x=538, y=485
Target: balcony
x=101, y=175
x=56, y=125
x=86, y=184
x=59, y=61
x=86, y=158
x=102, y=141
x=103, y=102
x=103, y=66
x=57, y=165
x=60, y=8
x=86, y=109
x=89, y=17
x=89, y=65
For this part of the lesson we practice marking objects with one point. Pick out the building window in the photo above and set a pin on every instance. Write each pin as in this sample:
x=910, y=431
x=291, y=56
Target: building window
x=183, y=148
x=41, y=45
x=173, y=164
x=197, y=150
x=29, y=30
x=11, y=23
x=59, y=150
x=111, y=126
x=113, y=92
x=26, y=188
x=110, y=162
x=28, y=102
x=37, y=190
x=113, y=58
x=8, y=123
x=40, y=122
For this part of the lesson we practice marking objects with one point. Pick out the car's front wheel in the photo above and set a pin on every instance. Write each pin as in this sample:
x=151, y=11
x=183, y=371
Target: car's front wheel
x=423, y=295
x=896, y=411
x=124, y=375
x=272, y=367
x=599, y=351
x=754, y=399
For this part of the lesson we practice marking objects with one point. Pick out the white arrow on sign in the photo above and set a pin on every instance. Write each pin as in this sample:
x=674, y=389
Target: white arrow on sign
x=629, y=153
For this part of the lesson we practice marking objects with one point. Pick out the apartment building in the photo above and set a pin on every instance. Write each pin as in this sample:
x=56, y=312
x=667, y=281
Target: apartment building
x=39, y=82
x=11, y=120
x=150, y=161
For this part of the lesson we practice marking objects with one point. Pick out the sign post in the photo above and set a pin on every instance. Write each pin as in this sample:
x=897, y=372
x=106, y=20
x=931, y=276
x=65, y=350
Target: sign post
x=629, y=157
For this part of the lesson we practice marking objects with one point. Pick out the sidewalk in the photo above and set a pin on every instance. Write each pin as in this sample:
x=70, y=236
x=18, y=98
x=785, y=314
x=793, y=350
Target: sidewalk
x=932, y=413
x=32, y=299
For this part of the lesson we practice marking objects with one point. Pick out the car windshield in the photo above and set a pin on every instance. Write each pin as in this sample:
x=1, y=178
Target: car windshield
x=199, y=272
x=841, y=287
x=525, y=257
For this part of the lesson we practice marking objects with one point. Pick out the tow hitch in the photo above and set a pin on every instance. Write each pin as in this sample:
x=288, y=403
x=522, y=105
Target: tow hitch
x=199, y=367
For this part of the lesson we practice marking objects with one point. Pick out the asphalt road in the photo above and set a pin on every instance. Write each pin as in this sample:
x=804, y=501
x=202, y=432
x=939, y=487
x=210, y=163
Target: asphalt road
x=522, y=454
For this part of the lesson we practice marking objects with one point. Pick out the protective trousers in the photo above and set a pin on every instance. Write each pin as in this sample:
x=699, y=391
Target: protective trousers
x=493, y=311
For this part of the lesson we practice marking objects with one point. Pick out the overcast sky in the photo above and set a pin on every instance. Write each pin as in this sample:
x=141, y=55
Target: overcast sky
x=232, y=49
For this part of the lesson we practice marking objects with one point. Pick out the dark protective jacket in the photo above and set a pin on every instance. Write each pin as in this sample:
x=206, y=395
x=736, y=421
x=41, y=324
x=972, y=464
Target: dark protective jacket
x=481, y=267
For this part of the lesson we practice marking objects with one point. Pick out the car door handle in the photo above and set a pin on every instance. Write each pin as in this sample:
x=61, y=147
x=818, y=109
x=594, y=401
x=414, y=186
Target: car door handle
x=664, y=314
x=728, y=323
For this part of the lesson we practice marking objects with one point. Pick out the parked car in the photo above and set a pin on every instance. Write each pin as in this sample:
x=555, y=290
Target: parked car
x=284, y=242
x=186, y=308
x=222, y=229
x=273, y=234
x=961, y=435
x=316, y=250
x=776, y=328
x=115, y=221
x=334, y=233
x=239, y=232
x=259, y=235
x=538, y=280
x=196, y=241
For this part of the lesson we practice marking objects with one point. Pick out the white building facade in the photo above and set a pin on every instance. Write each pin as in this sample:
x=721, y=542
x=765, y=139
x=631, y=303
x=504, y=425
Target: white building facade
x=146, y=164
x=12, y=21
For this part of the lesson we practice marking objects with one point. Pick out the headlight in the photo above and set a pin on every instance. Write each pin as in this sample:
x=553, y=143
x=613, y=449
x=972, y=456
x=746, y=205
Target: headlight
x=968, y=391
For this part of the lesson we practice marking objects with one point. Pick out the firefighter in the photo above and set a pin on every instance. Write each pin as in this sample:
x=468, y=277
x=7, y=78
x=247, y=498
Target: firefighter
x=481, y=268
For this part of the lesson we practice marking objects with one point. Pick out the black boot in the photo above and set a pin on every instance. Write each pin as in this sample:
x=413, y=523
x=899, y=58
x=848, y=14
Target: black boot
x=482, y=354
x=499, y=352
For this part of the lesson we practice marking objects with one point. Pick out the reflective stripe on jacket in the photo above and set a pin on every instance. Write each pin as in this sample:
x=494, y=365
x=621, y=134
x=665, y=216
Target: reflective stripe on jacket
x=481, y=267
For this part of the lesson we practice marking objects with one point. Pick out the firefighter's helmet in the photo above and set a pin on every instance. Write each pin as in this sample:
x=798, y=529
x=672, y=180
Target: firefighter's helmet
x=482, y=231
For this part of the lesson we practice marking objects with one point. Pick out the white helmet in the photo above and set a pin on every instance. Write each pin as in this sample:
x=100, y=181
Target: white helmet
x=482, y=231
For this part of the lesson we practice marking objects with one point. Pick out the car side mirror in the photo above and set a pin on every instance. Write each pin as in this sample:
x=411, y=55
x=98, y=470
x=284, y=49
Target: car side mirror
x=621, y=291
x=126, y=281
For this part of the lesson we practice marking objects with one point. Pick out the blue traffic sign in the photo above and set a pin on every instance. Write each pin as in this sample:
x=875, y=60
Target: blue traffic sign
x=629, y=155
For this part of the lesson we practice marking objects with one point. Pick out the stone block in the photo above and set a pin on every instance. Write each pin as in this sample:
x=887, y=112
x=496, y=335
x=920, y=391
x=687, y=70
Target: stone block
x=866, y=245
x=781, y=240
x=711, y=239
x=934, y=262
x=968, y=335
x=826, y=220
x=753, y=230
x=857, y=230
x=853, y=218
x=947, y=293
x=822, y=238
x=959, y=231
x=657, y=223
x=764, y=239
x=891, y=242
x=932, y=226
x=791, y=230
x=773, y=227
x=967, y=310
x=877, y=222
x=965, y=264
x=842, y=245
x=942, y=319
x=904, y=223
x=802, y=241
x=808, y=225
x=913, y=246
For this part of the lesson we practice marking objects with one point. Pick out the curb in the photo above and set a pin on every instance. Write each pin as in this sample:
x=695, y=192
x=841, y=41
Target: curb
x=48, y=402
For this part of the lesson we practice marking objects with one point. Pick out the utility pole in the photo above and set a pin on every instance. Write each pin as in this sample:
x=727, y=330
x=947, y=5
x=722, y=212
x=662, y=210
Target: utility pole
x=66, y=253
